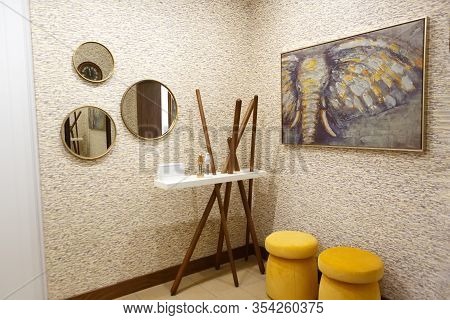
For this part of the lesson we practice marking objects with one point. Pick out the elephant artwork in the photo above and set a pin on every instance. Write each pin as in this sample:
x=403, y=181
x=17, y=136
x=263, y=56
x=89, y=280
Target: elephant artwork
x=365, y=91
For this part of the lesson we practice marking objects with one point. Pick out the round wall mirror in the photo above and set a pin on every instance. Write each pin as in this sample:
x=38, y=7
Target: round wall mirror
x=93, y=62
x=149, y=109
x=88, y=132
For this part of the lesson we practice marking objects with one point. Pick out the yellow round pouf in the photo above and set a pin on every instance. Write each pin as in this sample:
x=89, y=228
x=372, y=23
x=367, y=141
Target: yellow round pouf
x=291, y=272
x=349, y=274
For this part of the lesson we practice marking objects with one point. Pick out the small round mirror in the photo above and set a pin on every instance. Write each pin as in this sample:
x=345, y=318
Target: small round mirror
x=88, y=132
x=93, y=62
x=149, y=109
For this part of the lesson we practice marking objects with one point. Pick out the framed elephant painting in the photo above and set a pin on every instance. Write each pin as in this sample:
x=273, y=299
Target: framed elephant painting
x=364, y=91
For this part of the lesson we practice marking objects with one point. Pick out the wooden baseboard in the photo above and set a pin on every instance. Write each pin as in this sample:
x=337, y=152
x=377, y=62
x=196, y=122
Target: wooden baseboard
x=155, y=278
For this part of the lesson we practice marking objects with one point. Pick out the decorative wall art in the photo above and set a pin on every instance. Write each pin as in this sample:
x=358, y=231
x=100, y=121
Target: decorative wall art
x=364, y=91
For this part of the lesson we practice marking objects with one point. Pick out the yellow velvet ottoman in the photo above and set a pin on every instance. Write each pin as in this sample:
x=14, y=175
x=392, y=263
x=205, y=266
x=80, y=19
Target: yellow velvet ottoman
x=291, y=272
x=349, y=274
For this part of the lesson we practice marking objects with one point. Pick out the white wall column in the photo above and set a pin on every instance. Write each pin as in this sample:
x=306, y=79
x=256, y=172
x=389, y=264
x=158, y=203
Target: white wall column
x=22, y=273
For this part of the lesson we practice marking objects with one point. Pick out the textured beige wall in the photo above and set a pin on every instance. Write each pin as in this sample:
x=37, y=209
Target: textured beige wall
x=119, y=226
x=396, y=204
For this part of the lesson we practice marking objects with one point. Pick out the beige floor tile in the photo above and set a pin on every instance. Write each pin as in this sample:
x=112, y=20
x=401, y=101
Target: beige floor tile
x=196, y=292
x=257, y=290
x=233, y=294
x=205, y=275
x=226, y=282
x=162, y=291
x=222, y=283
x=212, y=284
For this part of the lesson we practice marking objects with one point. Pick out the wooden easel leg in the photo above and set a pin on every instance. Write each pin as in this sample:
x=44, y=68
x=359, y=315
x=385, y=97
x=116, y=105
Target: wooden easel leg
x=216, y=195
x=251, y=226
x=247, y=230
x=232, y=143
x=247, y=241
x=194, y=241
x=252, y=164
x=226, y=205
x=223, y=221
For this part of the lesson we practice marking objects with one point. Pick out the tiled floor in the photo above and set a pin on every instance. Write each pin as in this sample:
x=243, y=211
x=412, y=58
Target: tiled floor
x=212, y=284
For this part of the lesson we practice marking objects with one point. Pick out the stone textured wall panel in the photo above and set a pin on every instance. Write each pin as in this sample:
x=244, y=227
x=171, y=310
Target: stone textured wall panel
x=104, y=221
x=395, y=204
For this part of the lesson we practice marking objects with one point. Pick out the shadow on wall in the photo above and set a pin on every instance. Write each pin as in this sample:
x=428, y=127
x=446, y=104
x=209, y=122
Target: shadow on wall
x=152, y=249
x=265, y=197
x=391, y=275
x=265, y=203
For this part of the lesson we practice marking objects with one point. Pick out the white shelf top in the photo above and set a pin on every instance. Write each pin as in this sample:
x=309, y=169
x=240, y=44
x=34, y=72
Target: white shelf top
x=181, y=182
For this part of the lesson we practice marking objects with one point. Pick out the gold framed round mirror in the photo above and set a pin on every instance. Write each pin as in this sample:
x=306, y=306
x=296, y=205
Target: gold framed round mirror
x=149, y=109
x=93, y=62
x=88, y=132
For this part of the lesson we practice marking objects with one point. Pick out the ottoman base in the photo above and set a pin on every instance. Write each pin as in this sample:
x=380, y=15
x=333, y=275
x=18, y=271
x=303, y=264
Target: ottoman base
x=291, y=279
x=331, y=289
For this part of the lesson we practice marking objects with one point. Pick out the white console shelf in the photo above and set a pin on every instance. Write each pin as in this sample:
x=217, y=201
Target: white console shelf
x=181, y=182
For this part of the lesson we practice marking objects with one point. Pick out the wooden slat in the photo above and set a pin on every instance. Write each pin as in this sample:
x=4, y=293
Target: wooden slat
x=226, y=207
x=237, y=116
x=221, y=235
x=250, y=224
x=205, y=130
x=215, y=195
x=242, y=127
x=223, y=222
x=252, y=165
x=253, y=145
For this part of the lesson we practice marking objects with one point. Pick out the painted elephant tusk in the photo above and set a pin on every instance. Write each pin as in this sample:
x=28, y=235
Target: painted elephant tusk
x=297, y=119
x=326, y=125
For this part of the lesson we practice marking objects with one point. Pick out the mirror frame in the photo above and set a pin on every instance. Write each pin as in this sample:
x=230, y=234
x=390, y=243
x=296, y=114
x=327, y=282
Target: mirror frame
x=172, y=125
x=89, y=80
x=113, y=137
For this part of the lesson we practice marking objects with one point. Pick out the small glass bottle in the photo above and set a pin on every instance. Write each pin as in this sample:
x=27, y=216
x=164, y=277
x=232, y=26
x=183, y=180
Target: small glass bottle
x=200, y=172
x=207, y=162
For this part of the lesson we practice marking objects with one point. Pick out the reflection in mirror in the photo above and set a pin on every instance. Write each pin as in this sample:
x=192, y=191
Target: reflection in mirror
x=88, y=132
x=93, y=62
x=149, y=109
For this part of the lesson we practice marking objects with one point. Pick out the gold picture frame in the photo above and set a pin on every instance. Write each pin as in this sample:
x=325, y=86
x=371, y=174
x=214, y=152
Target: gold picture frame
x=312, y=118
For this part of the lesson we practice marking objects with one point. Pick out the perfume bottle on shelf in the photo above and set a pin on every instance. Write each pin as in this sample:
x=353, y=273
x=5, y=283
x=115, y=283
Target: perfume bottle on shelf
x=200, y=172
